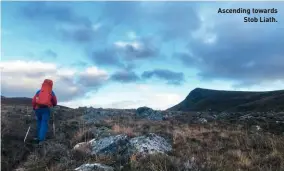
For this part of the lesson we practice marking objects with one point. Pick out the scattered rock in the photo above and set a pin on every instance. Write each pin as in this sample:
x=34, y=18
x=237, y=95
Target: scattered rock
x=149, y=144
x=79, y=145
x=96, y=115
x=122, y=145
x=94, y=167
x=92, y=115
x=256, y=128
x=166, y=117
x=83, y=147
x=20, y=169
x=202, y=120
x=109, y=145
x=148, y=113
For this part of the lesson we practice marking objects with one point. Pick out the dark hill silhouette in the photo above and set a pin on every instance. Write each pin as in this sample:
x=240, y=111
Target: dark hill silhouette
x=23, y=101
x=16, y=100
x=201, y=99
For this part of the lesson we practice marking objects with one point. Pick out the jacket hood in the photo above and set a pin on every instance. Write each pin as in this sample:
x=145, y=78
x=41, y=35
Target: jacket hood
x=48, y=81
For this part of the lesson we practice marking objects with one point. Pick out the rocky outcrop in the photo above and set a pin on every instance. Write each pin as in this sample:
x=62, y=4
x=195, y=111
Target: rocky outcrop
x=121, y=144
x=92, y=115
x=94, y=167
x=83, y=147
x=109, y=145
x=96, y=115
x=202, y=120
x=148, y=113
x=149, y=144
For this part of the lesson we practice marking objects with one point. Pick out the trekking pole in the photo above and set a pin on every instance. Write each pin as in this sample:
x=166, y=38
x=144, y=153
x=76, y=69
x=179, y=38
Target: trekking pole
x=53, y=124
x=27, y=134
x=28, y=130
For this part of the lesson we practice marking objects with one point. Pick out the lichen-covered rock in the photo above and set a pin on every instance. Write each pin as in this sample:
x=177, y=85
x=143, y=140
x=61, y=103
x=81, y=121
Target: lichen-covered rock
x=148, y=113
x=94, y=167
x=256, y=128
x=202, y=120
x=149, y=144
x=77, y=146
x=83, y=147
x=92, y=115
x=109, y=145
x=96, y=115
x=20, y=169
x=123, y=146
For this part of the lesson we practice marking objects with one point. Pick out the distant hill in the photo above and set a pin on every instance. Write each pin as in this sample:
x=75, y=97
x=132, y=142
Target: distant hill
x=23, y=101
x=16, y=100
x=218, y=100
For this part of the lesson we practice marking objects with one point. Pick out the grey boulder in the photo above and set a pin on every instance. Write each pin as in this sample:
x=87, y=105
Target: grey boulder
x=148, y=113
x=94, y=167
x=111, y=145
x=149, y=144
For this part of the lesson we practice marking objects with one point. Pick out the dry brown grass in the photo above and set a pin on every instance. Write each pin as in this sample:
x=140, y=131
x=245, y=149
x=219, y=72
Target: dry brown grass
x=230, y=150
x=118, y=129
x=209, y=147
x=79, y=136
x=83, y=134
x=52, y=156
x=214, y=146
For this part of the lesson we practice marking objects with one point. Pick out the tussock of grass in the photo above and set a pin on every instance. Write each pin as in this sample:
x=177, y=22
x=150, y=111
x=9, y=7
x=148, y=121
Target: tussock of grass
x=214, y=146
x=123, y=130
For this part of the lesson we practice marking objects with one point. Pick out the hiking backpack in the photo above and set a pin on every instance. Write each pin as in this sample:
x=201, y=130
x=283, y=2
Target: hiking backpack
x=45, y=94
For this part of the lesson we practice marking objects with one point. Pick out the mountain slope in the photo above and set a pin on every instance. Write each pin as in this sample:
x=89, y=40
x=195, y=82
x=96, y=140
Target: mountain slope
x=20, y=101
x=183, y=134
x=16, y=100
x=16, y=117
x=217, y=100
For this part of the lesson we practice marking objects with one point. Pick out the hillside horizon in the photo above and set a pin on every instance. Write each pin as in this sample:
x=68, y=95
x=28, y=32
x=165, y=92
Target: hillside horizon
x=83, y=137
x=201, y=99
x=178, y=107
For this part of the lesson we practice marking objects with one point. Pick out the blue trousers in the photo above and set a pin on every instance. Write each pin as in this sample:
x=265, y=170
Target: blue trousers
x=43, y=116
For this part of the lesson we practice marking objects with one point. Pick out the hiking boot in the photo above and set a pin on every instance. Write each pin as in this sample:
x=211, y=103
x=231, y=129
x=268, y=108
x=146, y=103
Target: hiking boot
x=40, y=144
x=35, y=141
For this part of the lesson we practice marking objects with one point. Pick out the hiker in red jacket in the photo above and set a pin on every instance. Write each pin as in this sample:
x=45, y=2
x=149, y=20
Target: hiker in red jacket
x=42, y=101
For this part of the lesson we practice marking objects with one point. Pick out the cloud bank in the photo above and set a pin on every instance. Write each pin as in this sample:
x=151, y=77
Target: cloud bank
x=24, y=78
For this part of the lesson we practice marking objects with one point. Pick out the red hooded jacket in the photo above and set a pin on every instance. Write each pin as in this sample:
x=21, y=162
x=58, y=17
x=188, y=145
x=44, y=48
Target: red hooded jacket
x=53, y=100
